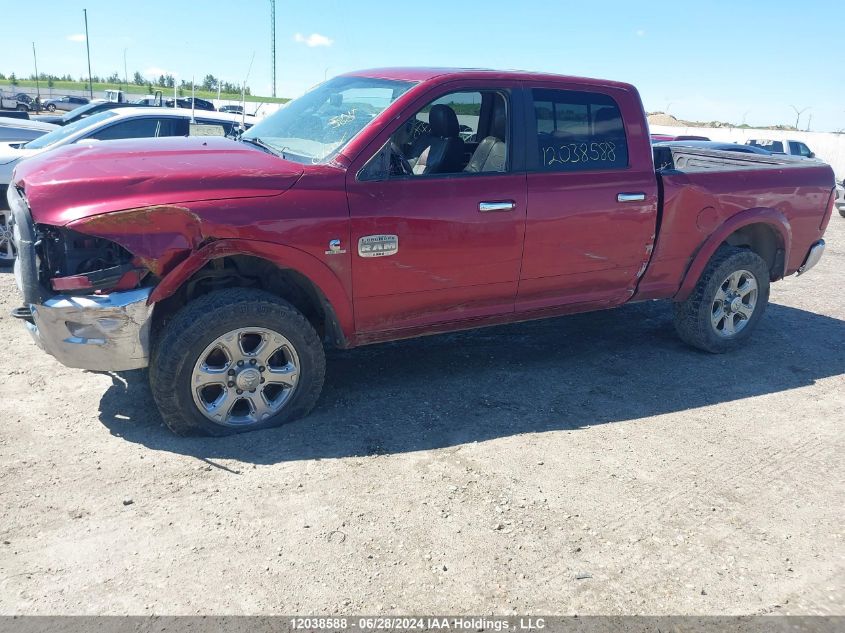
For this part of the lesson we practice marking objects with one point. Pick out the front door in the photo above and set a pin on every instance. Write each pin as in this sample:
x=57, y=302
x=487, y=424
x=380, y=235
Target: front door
x=592, y=199
x=438, y=214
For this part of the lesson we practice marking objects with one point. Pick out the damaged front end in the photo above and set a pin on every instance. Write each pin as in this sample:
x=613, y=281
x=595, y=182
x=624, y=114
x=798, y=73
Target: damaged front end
x=85, y=298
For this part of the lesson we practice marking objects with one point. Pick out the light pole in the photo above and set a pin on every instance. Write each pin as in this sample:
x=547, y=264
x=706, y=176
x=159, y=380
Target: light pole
x=88, y=50
x=125, y=74
x=273, y=41
x=37, y=88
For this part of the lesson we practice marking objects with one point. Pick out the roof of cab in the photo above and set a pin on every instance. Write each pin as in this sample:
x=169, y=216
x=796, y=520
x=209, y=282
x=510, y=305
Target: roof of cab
x=424, y=74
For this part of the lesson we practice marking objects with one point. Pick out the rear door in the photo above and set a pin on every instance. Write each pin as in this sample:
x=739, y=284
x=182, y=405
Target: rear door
x=429, y=248
x=592, y=197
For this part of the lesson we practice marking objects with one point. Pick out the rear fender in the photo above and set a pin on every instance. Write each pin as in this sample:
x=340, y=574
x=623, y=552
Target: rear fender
x=762, y=215
x=317, y=272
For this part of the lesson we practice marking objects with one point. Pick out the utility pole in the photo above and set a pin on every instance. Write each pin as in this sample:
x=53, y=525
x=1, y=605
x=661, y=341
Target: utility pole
x=810, y=122
x=88, y=50
x=37, y=88
x=273, y=41
x=125, y=74
x=798, y=114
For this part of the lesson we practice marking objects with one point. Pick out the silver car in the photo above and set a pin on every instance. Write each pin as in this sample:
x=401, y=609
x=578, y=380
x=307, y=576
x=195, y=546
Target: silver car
x=840, y=198
x=66, y=103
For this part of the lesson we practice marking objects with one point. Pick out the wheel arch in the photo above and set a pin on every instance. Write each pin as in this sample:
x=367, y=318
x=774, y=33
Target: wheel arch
x=308, y=284
x=765, y=231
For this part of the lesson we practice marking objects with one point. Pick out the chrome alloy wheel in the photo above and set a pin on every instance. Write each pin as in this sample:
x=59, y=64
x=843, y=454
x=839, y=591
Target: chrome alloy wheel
x=734, y=303
x=7, y=245
x=245, y=376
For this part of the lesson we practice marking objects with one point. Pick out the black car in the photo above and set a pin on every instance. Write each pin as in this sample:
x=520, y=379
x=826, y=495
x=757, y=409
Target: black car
x=185, y=102
x=231, y=109
x=84, y=111
x=25, y=102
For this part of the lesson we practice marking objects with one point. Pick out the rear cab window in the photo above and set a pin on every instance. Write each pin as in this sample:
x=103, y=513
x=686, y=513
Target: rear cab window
x=576, y=131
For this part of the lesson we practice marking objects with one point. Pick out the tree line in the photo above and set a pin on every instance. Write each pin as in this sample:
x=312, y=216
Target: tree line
x=209, y=83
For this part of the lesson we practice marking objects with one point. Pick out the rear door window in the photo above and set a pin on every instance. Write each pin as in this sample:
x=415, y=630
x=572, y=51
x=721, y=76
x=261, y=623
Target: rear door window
x=578, y=131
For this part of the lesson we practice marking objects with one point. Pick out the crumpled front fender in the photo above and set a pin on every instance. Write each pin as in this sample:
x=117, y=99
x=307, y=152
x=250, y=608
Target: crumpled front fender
x=159, y=236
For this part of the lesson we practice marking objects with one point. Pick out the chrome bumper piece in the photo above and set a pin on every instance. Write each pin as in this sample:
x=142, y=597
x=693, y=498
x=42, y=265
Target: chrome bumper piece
x=98, y=332
x=813, y=257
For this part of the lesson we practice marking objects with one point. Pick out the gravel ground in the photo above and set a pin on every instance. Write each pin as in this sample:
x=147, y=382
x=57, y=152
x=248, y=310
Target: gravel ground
x=589, y=464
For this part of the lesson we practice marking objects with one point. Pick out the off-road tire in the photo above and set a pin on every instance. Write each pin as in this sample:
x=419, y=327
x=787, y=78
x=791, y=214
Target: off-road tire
x=693, y=315
x=178, y=346
x=841, y=211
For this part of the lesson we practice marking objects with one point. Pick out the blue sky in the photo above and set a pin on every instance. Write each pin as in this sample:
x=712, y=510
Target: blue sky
x=718, y=60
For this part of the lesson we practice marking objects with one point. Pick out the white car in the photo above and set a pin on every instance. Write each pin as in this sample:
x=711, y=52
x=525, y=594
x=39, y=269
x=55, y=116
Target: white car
x=18, y=130
x=109, y=125
x=840, y=198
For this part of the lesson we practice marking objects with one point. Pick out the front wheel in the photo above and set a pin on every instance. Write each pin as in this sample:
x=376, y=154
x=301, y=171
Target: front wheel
x=236, y=360
x=51, y=107
x=726, y=303
x=842, y=211
x=7, y=245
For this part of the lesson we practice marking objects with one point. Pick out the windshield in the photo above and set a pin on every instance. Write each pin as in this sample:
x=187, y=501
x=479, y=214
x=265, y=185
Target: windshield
x=316, y=126
x=62, y=133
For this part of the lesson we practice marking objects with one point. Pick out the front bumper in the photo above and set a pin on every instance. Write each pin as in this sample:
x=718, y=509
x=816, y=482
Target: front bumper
x=813, y=256
x=98, y=332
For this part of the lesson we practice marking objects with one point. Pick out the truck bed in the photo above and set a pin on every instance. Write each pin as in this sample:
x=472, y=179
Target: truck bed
x=700, y=190
x=693, y=159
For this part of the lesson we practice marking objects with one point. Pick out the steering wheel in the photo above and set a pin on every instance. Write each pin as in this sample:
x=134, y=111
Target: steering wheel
x=403, y=164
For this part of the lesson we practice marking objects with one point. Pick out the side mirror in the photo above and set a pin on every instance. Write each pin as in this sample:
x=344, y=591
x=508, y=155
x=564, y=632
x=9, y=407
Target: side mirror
x=811, y=155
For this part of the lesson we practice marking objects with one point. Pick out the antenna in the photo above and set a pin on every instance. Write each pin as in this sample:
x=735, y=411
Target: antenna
x=193, y=100
x=88, y=49
x=243, y=93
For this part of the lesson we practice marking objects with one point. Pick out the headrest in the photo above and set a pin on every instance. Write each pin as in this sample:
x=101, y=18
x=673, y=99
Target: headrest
x=443, y=121
x=607, y=121
x=499, y=124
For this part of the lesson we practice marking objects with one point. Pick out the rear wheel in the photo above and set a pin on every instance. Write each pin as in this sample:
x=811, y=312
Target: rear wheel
x=236, y=360
x=51, y=107
x=726, y=303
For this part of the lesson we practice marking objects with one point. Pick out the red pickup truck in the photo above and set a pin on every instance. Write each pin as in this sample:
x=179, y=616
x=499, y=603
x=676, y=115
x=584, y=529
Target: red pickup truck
x=387, y=204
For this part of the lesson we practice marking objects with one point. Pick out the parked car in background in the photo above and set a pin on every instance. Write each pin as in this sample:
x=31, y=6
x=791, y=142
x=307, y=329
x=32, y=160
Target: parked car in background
x=788, y=147
x=233, y=109
x=17, y=130
x=151, y=100
x=83, y=112
x=199, y=104
x=840, y=198
x=66, y=103
x=8, y=102
x=226, y=266
x=116, y=123
x=716, y=145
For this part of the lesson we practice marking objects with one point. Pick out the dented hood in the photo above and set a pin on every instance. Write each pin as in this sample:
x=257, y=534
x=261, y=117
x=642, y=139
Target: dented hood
x=83, y=180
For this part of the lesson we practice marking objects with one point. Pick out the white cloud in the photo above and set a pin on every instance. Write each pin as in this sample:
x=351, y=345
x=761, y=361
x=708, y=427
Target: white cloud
x=313, y=40
x=76, y=37
x=154, y=72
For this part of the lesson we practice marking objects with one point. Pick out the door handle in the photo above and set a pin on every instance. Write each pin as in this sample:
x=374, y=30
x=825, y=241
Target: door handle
x=501, y=205
x=630, y=197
